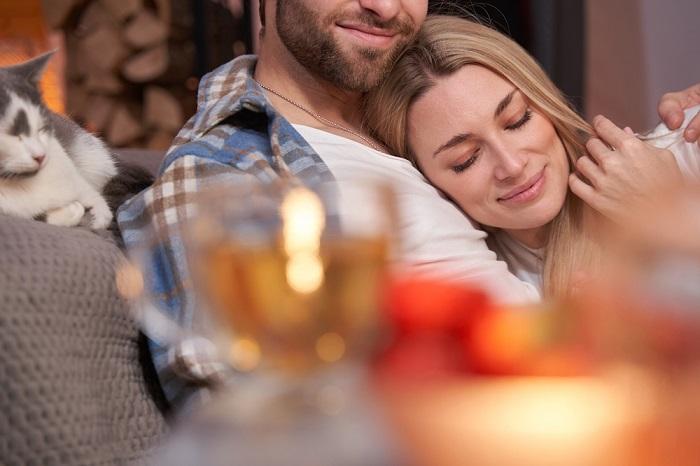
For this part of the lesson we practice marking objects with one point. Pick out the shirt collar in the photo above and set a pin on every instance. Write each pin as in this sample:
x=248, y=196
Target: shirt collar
x=226, y=91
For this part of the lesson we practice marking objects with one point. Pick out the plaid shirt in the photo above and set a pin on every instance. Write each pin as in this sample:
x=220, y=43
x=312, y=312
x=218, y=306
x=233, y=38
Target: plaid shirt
x=235, y=134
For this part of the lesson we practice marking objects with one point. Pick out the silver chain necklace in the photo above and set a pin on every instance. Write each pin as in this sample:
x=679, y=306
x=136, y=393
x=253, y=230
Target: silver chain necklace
x=320, y=118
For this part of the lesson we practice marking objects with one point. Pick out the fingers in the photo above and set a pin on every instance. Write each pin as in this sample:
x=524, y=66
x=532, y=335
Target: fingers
x=609, y=132
x=584, y=191
x=629, y=131
x=589, y=169
x=672, y=105
x=597, y=149
x=692, y=132
x=671, y=110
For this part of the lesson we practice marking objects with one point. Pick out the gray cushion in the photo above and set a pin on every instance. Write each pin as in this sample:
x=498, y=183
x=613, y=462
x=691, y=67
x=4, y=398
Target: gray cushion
x=75, y=386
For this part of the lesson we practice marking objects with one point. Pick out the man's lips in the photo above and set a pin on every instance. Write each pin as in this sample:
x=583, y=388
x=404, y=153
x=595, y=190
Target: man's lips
x=526, y=191
x=372, y=35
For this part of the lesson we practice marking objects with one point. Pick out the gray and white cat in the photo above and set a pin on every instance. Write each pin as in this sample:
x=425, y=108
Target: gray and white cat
x=49, y=166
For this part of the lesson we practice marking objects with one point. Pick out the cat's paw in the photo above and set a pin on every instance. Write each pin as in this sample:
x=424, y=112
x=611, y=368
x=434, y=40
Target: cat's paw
x=101, y=216
x=67, y=216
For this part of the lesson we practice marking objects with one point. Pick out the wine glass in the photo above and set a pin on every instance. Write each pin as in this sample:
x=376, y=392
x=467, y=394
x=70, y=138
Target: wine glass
x=289, y=278
x=294, y=284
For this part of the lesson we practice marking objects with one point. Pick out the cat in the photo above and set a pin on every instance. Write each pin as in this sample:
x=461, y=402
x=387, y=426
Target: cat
x=50, y=168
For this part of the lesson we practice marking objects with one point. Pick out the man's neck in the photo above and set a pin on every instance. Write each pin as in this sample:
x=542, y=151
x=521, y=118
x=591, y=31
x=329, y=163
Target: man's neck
x=284, y=75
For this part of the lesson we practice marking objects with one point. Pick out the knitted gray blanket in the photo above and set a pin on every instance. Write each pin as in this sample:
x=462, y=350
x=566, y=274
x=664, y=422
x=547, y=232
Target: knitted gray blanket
x=73, y=389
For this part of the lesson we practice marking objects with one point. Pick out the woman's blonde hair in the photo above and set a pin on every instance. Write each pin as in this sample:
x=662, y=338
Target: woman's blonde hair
x=444, y=45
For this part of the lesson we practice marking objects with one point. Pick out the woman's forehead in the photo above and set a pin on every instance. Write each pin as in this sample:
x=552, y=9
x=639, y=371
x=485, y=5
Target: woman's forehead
x=472, y=87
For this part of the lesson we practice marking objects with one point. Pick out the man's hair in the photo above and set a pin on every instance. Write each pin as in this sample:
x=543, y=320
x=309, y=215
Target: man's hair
x=261, y=12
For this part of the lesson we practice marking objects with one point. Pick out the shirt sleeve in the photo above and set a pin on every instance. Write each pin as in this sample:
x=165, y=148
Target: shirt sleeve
x=189, y=366
x=438, y=239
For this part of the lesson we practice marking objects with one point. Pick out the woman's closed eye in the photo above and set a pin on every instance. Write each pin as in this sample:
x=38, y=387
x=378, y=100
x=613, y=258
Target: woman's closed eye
x=467, y=163
x=521, y=121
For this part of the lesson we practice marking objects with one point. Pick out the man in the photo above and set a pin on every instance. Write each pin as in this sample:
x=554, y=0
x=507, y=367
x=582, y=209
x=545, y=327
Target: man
x=295, y=110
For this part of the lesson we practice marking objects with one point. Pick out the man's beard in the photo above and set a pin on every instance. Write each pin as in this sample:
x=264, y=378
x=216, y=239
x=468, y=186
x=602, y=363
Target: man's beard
x=307, y=36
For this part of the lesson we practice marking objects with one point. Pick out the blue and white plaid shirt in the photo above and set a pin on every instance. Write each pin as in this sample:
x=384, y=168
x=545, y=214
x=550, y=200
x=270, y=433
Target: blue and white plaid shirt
x=235, y=133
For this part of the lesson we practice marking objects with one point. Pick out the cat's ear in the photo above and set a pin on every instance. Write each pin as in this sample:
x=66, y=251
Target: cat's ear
x=33, y=69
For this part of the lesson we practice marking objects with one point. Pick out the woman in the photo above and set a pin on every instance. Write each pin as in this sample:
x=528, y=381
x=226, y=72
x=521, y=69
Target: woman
x=487, y=126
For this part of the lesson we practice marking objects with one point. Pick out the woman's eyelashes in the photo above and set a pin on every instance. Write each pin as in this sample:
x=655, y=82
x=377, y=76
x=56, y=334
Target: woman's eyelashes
x=527, y=116
x=521, y=122
x=467, y=163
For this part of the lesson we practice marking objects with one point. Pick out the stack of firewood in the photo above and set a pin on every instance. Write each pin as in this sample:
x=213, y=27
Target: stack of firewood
x=129, y=67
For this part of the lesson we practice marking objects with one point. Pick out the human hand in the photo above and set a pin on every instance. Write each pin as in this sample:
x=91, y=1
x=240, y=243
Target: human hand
x=671, y=108
x=621, y=171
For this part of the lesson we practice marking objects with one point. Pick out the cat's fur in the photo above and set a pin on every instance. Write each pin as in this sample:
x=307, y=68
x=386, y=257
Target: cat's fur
x=50, y=168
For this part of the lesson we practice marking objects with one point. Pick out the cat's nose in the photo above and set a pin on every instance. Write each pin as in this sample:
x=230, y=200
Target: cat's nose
x=39, y=158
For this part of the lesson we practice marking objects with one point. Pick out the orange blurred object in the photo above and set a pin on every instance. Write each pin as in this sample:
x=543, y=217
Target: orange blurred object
x=524, y=341
x=24, y=35
x=448, y=328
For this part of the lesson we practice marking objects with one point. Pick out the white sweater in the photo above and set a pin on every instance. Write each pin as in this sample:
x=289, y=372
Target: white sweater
x=437, y=238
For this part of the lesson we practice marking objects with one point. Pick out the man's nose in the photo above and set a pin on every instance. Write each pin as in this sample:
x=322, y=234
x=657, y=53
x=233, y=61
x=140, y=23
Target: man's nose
x=384, y=9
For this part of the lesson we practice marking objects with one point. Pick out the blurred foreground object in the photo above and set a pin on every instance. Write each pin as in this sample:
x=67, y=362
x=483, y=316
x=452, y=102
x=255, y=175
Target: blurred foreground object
x=643, y=311
x=625, y=350
x=293, y=294
x=443, y=328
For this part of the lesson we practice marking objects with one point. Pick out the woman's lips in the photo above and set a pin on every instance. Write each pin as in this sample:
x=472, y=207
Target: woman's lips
x=370, y=36
x=527, y=191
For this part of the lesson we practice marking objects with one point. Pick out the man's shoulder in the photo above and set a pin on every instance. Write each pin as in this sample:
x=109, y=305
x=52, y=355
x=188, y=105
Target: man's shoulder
x=225, y=143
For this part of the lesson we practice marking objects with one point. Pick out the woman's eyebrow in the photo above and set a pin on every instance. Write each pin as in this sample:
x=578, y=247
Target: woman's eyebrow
x=460, y=138
x=503, y=104
x=454, y=141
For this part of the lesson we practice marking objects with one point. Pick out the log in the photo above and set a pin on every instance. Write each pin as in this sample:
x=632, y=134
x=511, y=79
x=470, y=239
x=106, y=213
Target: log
x=104, y=49
x=162, y=110
x=56, y=12
x=122, y=10
x=147, y=65
x=76, y=64
x=101, y=82
x=76, y=101
x=97, y=115
x=145, y=30
x=160, y=140
x=124, y=127
x=163, y=7
x=94, y=17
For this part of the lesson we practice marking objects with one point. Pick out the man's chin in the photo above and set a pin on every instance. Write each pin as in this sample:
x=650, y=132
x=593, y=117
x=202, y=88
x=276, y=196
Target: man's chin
x=369, y=68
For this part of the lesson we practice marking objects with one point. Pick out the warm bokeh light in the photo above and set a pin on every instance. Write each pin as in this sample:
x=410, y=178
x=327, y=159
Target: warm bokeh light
x=129, y=281
x=330, y=347
x=24, y=35
x=520, y=421
x=303, y=217
x=245, y=354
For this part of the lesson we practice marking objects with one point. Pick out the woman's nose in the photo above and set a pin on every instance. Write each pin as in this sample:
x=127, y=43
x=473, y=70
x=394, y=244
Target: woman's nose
x=510, y=164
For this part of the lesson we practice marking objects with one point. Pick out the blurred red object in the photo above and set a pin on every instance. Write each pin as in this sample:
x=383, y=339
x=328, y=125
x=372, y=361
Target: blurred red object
x=421, y=305
x=446, y=328
x=429, y=319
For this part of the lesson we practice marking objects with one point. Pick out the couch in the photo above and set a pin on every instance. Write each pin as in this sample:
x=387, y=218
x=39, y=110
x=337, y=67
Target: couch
x=78, y=387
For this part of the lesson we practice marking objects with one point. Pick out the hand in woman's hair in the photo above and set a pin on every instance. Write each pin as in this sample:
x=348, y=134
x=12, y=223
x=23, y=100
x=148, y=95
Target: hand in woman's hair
x=621, y=171
x=671, y=108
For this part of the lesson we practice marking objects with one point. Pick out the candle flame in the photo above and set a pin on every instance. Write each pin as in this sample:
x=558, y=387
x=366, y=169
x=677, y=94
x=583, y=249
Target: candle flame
x=304, y=220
